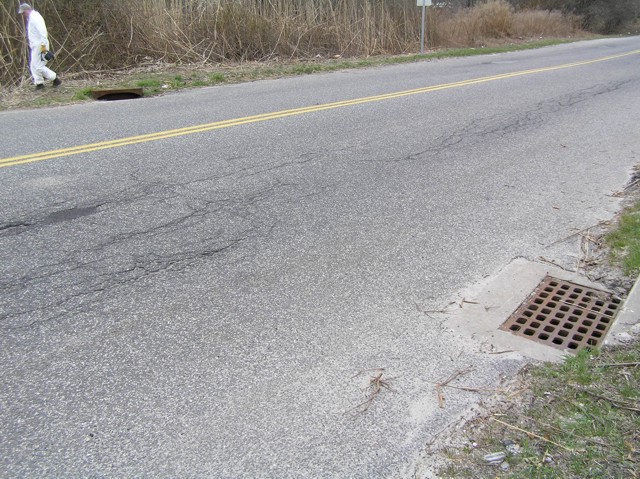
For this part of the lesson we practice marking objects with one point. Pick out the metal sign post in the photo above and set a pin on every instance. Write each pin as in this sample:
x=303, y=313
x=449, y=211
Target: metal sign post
x=424, y=4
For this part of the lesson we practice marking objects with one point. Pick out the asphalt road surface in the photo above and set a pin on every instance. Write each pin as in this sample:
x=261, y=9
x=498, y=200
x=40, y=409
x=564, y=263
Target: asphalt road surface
x=203, y=284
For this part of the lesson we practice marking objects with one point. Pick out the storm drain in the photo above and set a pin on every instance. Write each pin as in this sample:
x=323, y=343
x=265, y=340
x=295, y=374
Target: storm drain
x=564, y=315
x=117, y=94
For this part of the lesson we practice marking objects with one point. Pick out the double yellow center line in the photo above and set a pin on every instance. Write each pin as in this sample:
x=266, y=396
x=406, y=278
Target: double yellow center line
x=161, y=135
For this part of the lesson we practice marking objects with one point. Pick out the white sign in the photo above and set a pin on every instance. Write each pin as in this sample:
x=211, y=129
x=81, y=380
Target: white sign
x=424, y=3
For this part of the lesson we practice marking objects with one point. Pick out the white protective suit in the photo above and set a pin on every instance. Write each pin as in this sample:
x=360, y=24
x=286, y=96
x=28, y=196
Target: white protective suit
x=37, y=34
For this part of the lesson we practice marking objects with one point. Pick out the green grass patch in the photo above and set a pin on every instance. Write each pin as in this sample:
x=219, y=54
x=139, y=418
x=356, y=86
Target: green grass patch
x=82, y=94
x=579, y=421
x=625, y=240
x=347, y=64
x=149, y=83
x=178, y=82
x=308, y=68
x=216, y=78
x=574, y=368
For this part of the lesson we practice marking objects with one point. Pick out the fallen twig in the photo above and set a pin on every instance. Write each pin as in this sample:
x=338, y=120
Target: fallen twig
x=631, y=185
x=376, y=384
x=427, y=312
x=620, y=365
x=579, y=232
x=531, y=434
x=446, y=382
x=575, y=305
x=586, y=258
x=557, y=429
x=476, y=390
x=464, y=300
x=613, y=402
x=545, y=260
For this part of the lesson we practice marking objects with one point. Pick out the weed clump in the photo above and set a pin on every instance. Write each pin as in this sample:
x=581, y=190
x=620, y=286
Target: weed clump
x=577, y=419
x=625, y=240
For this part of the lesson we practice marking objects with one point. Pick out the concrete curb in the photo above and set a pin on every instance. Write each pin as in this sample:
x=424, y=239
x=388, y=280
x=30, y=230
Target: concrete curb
x=497, y=297
x=626, y=327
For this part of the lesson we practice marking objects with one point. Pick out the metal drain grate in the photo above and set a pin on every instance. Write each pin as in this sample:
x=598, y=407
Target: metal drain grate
x=564, y=315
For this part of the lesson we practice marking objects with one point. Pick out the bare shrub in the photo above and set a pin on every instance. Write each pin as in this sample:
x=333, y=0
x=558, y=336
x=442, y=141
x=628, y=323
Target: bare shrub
x=600, y=16
x=493, y=18
x=498, y=20
x=541, y=23
x=13, y=49
x=473, y=26
x=90, y=36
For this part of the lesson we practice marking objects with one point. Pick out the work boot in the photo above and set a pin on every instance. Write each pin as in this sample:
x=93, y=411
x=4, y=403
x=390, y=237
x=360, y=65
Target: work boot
x=40, y=86
x=57, y=81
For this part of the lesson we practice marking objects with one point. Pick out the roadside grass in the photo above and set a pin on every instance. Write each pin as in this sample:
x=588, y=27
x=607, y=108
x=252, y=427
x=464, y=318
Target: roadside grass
x=625, y=240
x=160, y=79
x=258, y=71
x=578, y=419
x=82, y=94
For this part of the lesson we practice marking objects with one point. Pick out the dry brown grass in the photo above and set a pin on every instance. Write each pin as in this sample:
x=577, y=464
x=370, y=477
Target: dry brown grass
x=92, y=36
x=497, y=19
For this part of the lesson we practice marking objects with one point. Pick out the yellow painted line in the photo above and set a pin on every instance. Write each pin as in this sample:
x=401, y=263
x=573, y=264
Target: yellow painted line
x=132, y=140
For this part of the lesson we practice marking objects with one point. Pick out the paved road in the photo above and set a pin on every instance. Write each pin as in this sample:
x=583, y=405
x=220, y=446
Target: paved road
x=205, y=285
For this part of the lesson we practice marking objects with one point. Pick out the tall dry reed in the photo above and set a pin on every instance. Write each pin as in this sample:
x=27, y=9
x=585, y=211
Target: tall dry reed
x=93, y=35
x=496, y=20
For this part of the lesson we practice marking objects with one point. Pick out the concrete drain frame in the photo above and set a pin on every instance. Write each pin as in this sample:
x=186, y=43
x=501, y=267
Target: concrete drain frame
x=564, y=315
x=117, y=94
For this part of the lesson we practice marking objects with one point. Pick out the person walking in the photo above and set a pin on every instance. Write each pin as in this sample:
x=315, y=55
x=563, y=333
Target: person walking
x=39, y=45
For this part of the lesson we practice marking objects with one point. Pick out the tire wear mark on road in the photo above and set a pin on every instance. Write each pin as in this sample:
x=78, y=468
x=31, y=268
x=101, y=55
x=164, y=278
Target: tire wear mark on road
x=201, y=220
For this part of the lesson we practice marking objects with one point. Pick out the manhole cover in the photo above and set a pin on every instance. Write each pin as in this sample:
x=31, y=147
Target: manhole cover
x=564, y=315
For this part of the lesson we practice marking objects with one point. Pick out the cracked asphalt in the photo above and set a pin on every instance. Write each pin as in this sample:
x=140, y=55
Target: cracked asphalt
x=215, y=304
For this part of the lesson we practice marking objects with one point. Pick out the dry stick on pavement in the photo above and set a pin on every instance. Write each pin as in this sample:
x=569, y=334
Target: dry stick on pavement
x=446, y=382
x=627, y=188
x=467, y=301
x=428, y=312
x=600, y=224
x=376, y=384
x=584, y=251
x=586, y=258
x=476, y=390
x=554, y=263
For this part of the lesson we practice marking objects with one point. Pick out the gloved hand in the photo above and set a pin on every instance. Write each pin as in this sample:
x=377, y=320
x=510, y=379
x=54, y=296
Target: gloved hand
x=43, y=48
